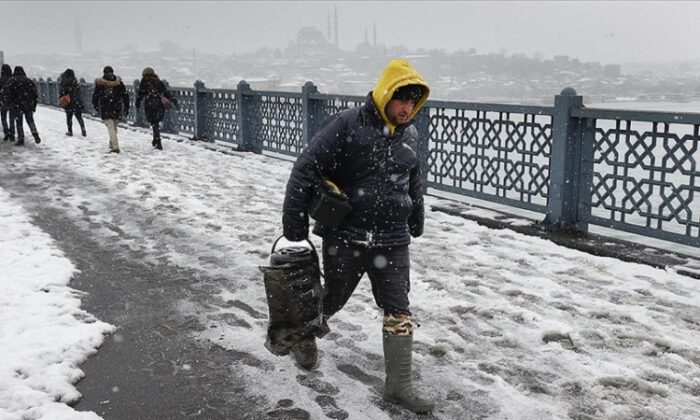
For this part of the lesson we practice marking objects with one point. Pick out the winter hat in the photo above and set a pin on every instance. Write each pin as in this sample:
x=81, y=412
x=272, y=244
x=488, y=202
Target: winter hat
x=69, y=73
x=19, y=71
x=408, y=93
x=108, y=70
x=6, y=70
x=148, y=71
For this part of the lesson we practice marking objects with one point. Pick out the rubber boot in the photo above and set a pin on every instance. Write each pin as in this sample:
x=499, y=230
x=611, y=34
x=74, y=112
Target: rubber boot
x=20, y=141
x=37, y=139
x=398, y=388
x=158, y=145
x=306, y=353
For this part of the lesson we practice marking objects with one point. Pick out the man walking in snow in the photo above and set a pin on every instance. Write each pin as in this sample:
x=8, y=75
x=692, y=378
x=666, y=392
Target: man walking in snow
x=369, y=153
x=112, y=101
x=22, y=97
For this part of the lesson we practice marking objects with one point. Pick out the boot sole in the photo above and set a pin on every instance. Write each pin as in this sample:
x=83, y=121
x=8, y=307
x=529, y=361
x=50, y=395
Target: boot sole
x=416, y=409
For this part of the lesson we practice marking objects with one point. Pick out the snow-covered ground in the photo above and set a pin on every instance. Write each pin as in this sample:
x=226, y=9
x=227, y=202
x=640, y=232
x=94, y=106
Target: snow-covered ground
x=44, y=335
x=511, y=326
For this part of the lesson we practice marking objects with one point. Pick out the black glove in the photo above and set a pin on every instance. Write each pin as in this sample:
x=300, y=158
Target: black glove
x=295, y=235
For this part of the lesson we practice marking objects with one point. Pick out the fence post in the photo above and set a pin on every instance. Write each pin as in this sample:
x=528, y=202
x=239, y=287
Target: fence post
x=564, y=164
x=201, y=111
x=247, y=119
x=422, y=125
x=40, y=86
x=309, y=110
x=52, y=98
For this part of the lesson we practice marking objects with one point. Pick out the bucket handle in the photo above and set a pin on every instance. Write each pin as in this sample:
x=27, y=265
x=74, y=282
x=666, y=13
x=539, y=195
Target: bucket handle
x=312, y=247
x=282, y=236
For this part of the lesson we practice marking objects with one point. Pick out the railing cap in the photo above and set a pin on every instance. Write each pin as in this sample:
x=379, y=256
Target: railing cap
x=568, y=91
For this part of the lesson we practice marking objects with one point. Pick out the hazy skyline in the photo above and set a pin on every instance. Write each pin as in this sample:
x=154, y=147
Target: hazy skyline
x=606, y=31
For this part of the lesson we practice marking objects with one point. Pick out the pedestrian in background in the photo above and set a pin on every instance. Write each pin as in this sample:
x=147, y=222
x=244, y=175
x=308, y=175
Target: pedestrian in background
x=111, y=100
x=68, y=85
x=8, y=125
x=156, y=98
x=22, y=97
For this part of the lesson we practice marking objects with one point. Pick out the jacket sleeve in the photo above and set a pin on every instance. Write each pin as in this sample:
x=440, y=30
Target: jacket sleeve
x=34, y=96
x=139, y=95
x=77, y=93
x=317, y=160
x=415, y=191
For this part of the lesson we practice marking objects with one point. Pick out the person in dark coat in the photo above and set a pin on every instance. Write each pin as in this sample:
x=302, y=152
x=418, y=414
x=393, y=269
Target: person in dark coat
x=8, y=124
x=369, y=153
x=151, y=92
x=111, y=100
x=22, y=97
x=69, y=85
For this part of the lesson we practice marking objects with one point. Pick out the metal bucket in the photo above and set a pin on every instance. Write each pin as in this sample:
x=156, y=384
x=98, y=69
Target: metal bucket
x=294, y=297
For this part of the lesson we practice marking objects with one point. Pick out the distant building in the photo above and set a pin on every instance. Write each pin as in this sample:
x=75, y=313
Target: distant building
x=310, y=41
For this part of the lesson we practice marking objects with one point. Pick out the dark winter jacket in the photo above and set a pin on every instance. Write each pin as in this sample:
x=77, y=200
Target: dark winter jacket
x=21, y=92
x=150, y=91
x=68, y=84
x=379, y=171
x=5, y=75
x=110, y=98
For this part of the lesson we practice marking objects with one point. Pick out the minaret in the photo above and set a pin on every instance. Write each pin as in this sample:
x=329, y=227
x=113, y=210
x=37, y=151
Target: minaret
x=375, y=35
x=78, y=33
x=336, y=24
x=328, y=28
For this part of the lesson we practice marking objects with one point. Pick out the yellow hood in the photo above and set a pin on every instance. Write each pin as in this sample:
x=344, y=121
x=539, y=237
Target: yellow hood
x=398, y=73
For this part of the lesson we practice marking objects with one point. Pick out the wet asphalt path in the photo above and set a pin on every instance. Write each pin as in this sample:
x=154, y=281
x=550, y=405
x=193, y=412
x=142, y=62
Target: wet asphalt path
x=151, y=367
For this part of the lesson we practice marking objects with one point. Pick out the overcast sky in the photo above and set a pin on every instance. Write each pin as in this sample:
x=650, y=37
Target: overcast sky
x=606, y=31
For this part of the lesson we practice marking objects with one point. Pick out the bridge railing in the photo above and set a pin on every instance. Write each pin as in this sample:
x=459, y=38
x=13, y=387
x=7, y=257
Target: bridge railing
x=633, y=171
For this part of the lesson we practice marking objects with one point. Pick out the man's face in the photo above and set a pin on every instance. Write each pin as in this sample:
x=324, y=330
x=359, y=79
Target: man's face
x=398, y=111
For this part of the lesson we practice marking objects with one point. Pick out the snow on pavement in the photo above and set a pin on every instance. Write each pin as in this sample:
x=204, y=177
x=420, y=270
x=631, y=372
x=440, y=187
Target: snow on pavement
x=44, y=334
x=511, y=326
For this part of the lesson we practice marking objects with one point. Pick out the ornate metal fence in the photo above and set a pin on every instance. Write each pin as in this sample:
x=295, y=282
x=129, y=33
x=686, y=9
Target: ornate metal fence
x=643, y=172
x=631, y=171
x=494, y=152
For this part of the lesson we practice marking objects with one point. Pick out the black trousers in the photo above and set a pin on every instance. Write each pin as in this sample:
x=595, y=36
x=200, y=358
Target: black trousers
x=17, y=117
x=156, y=129
x=78, y=116
x=388, y=270
x=8, y=124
